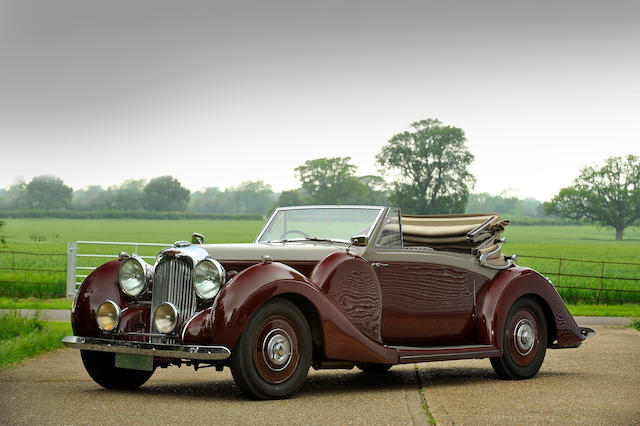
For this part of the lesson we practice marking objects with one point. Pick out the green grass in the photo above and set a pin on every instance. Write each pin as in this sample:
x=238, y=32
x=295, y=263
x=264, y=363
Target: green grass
x=622, y=310
x=583, y=243
x=636, y=324
x=33, y=303
x=49, y=238
x=24, y=337
x=575, y=242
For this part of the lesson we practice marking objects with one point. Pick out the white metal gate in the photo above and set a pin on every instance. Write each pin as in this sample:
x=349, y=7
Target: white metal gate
x=75, y=251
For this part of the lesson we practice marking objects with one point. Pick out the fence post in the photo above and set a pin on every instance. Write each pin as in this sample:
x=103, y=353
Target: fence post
x=559, y=270
x=601, y=277
x=72, y=262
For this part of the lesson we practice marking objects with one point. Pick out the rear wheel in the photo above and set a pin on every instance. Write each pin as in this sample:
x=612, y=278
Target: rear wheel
x=524, y=341
x=272, y=356
x=101, y=367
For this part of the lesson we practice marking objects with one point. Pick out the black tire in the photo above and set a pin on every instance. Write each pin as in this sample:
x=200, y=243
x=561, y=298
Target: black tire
x=524, y=341
x=272, y=356
x=370, y=367
x=101, y=367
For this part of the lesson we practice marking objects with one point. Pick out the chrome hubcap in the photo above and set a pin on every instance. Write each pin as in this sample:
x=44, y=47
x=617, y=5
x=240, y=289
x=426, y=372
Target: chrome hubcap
x=277, y=349
x=524, y=337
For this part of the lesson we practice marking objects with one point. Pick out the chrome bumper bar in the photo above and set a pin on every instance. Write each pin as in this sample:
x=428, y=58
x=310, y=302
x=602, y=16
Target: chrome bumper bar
x=208, y=353
x=587, y=332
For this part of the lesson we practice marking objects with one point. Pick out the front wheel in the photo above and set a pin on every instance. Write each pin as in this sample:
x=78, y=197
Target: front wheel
x=524, y=341
x=101, y=367
x=272, y=356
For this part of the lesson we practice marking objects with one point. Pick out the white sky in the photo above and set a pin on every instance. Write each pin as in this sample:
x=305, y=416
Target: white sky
x=216, y=94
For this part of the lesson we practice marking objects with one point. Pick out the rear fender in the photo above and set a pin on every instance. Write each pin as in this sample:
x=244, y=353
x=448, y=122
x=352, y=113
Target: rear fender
x=256, y=285
x=496, y=299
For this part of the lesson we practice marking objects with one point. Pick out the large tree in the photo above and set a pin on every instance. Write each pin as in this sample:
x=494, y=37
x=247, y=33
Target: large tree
x=128, y=196
x=48, y=193
x=165, y=193
x=430, y=164
x=606, y=196
x=331, y=181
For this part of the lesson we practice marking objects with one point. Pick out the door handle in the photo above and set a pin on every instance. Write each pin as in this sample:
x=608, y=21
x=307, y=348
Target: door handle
x=379, y=265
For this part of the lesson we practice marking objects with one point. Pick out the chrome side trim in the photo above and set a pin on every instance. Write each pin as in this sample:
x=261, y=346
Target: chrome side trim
x=209, y=353
x=454, y=355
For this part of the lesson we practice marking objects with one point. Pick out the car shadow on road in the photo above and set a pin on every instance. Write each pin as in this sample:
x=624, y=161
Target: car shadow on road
x=329, y=382
x=318, y=383
x=457, y=376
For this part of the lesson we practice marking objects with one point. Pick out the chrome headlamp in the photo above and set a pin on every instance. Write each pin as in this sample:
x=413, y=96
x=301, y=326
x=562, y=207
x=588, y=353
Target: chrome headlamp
x=133, y=276
x=208, y=277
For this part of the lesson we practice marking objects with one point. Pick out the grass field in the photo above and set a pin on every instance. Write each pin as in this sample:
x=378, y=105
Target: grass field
x=50, y=237
x=23, y=337
x=583, y=243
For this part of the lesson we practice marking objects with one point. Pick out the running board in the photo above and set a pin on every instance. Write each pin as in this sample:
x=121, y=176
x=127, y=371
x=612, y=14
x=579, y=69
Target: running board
x=408, y=354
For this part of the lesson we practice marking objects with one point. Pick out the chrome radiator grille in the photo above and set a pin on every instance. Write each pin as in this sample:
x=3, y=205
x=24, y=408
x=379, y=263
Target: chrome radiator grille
x=172, y=283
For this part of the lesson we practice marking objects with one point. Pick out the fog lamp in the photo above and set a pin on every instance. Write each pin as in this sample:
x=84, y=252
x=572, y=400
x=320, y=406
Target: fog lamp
x=165, y=317
x=108, y=316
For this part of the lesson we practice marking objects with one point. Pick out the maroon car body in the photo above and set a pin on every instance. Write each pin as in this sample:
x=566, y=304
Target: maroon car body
x=361, y=286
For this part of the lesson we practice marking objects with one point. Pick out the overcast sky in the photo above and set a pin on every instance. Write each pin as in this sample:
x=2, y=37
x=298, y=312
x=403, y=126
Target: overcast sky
x=217, y=93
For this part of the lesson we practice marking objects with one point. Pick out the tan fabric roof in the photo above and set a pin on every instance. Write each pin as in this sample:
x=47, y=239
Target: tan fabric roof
x=477, y=233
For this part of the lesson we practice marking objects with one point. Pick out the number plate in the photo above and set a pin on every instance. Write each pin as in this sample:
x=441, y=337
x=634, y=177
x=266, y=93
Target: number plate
x=134, y=362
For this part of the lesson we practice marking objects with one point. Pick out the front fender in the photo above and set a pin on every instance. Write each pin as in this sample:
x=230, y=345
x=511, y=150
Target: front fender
x=496, y=299
x=100, y=285
x=258, y=284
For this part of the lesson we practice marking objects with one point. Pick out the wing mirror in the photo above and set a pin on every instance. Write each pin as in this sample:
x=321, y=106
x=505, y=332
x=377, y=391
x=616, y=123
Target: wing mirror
x=359, y=240
x=197, y=238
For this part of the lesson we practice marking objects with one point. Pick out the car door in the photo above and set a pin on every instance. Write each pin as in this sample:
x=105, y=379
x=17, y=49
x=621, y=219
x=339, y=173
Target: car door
x=427, y=304
x=428, y=297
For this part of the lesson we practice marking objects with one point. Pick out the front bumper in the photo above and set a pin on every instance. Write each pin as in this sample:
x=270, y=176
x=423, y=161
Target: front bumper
x=205, y=353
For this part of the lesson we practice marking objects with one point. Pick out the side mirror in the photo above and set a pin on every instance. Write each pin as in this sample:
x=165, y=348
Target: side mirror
x=197, y=238
x=359, y=240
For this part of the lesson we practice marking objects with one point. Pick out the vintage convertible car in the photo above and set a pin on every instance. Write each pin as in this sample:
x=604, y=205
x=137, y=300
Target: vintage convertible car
x=321, y=286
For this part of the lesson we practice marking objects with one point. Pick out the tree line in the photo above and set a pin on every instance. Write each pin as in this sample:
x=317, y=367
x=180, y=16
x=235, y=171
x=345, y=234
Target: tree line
x=423, y=170
x=161, y=194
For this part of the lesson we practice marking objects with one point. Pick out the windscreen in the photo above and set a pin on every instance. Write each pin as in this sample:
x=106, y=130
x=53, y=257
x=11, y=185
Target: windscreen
x=320, y=223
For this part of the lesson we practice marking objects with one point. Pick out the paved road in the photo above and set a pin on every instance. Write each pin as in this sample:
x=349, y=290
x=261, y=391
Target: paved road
x=597, y=383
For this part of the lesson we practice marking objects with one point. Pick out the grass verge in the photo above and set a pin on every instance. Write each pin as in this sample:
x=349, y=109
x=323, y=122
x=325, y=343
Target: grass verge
x=636, y=324
x=34, y=303
x=24, y=337
x=623, y=310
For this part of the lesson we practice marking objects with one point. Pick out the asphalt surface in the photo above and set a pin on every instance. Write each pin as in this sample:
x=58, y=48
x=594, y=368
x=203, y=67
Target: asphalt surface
x=598, y=383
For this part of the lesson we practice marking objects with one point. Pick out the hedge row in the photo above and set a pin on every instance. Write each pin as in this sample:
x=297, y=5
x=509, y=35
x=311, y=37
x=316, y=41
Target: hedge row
x=530, y=221
x=119, y=214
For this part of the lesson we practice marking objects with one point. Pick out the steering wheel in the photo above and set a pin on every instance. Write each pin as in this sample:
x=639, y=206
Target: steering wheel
x=294, y=231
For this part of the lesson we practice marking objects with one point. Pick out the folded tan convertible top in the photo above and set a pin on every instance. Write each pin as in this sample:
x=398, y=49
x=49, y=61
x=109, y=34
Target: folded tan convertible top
x=477, y=233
